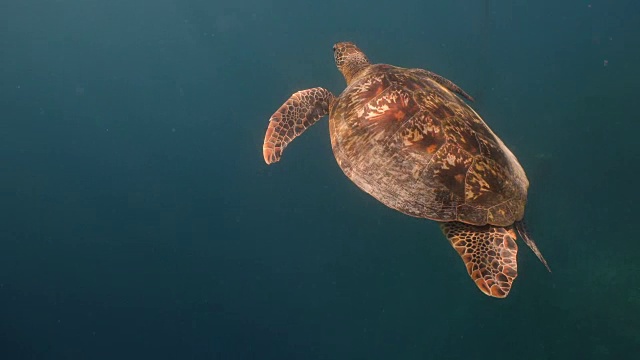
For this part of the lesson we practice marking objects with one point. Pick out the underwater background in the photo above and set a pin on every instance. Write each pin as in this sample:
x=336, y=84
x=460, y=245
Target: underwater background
x=139, y=220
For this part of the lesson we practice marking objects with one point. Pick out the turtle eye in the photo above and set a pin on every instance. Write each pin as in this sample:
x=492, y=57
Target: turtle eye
x=334, y=48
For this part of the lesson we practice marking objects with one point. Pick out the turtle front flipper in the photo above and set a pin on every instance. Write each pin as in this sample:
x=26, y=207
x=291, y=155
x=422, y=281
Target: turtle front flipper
x=302, y=110
x=446, y=83
x=489, y=253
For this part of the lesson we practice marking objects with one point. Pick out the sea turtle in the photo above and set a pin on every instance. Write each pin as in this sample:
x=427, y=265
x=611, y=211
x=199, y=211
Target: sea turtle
x=404, y=137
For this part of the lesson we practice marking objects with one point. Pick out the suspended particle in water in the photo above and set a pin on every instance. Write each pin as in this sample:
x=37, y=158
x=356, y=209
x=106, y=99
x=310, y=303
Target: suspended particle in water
x=606, y=62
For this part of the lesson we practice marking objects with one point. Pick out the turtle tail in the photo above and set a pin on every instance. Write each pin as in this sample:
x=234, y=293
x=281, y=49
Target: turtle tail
x=522, y=230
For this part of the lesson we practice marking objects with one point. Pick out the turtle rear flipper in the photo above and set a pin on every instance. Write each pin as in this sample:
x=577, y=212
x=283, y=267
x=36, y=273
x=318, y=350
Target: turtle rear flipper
x=302, y=110
x=522, y=230
x=489, y=253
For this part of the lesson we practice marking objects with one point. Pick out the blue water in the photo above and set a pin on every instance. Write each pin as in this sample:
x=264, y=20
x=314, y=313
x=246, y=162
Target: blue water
x=139, y=220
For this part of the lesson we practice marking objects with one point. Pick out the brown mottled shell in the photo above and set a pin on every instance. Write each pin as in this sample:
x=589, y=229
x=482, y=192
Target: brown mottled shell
x=418, y=148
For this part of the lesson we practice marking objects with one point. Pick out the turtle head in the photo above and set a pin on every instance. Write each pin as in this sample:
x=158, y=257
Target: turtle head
x=349, y=59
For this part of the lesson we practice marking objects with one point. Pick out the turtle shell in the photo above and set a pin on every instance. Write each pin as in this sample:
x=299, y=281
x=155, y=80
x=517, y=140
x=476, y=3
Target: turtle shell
x=418, y=148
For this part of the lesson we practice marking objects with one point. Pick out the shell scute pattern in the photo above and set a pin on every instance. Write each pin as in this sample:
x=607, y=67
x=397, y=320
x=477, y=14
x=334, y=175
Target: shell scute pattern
x=490, y=150
x=431, y=102
x=457, y=132
x=418, y=148
x=423, y=134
